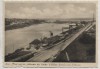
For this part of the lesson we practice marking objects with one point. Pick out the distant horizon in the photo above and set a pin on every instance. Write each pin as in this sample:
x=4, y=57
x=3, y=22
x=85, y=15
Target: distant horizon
x=50, y=18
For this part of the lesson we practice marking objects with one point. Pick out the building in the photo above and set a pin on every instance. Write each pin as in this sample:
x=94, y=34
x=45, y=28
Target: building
x=35, y=44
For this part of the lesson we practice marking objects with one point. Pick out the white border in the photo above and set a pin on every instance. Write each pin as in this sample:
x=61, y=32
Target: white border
x=1, y=33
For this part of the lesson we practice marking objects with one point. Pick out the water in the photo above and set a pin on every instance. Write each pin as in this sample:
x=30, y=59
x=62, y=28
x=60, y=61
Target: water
x=21, y=37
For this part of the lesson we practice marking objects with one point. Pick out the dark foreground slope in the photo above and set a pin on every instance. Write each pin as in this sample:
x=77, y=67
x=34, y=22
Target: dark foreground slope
x=80, y=50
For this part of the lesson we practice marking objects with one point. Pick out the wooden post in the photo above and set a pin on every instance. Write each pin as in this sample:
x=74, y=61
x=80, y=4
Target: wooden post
x=67, y=56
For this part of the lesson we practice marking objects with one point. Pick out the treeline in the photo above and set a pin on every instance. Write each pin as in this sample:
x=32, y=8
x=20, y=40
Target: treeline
x=20, y=23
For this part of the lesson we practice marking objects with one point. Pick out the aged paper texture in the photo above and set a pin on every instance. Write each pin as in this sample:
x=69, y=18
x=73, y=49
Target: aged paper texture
x=50, y=33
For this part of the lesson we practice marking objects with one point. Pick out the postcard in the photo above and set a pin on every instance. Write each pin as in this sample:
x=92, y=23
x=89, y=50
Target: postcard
x=50, y=33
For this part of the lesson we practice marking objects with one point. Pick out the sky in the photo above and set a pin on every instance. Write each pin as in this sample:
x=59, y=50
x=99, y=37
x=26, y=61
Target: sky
x=31, y=10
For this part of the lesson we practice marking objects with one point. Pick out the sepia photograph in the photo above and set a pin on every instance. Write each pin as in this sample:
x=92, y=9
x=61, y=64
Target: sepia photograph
x=56, y=32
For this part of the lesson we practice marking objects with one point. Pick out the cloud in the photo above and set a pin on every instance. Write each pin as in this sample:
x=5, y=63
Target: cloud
x=50, y=11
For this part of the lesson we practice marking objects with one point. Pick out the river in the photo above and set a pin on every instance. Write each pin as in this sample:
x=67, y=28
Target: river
x=18, y=38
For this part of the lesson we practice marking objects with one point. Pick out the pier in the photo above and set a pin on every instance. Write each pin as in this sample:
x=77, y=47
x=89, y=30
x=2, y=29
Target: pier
x=49, y=53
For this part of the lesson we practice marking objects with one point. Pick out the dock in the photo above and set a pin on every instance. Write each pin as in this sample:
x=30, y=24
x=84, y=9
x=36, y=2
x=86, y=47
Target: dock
x=50, y=54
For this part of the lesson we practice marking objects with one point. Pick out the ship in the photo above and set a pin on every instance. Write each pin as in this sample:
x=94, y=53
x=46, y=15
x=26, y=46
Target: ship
x=49, y=42
x=22, y=55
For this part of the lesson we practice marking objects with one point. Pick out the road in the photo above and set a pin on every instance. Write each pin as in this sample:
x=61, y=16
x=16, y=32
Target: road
x=50, y=53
